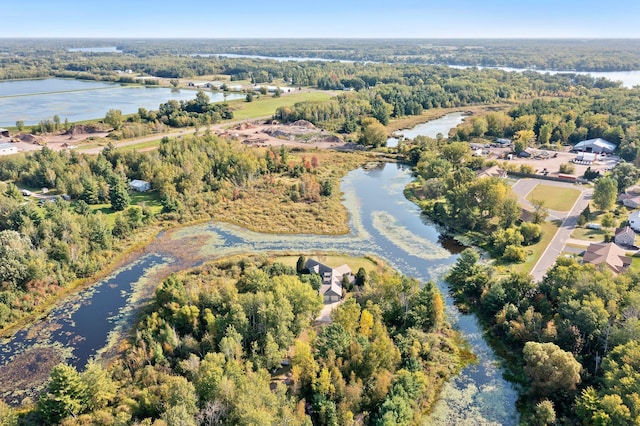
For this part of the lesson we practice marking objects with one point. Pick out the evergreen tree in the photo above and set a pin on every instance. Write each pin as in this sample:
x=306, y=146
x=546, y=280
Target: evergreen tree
x=361, y=277
x=66, y=395
x=119, y=195
x=301, y=265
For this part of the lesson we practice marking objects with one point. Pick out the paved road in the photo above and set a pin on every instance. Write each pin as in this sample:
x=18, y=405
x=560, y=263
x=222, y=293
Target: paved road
x=172, y=134
x=569, y=222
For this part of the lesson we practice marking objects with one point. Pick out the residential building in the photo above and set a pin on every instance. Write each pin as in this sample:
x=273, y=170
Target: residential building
x=332, y=278
x=609, y=254
x=630, y=200
x=634, y=220
x=493, y=171
x=625, y=237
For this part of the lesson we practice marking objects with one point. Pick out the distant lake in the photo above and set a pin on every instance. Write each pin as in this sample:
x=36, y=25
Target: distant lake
x=627, y=78
x=106, y=49
x=275, y=58
x=77, y=100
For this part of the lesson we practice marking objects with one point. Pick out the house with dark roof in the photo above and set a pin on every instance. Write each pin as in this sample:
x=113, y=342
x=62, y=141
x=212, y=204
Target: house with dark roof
x=629, y=200
x=625, y=237
x=332, y=278
x=609, y=254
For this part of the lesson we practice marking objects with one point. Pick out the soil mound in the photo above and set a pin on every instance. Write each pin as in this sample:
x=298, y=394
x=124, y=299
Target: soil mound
x=29, y=138
x=82, y=129
x=303, y=123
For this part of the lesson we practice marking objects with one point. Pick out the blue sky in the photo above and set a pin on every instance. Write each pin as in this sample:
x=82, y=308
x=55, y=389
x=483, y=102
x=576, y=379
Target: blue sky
x=324, y=19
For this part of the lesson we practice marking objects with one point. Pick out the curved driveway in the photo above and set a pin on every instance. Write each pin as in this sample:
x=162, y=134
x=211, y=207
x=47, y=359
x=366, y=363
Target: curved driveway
x=569, y=221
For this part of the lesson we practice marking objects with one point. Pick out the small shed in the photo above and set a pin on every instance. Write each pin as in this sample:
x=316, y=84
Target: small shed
x=139, y=185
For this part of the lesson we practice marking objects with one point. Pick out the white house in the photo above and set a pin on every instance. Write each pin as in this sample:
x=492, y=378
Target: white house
x=634, y=220
x=625, y=237
x=595, y=145
x=331, y=288
x=139, y=185
x=8, y=149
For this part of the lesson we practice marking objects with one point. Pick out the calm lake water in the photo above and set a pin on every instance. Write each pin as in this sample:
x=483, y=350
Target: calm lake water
x=104, y=49
x=628, y=79
x=382, y=223
x=76, y=100
x=430, y=129
x=273, y=58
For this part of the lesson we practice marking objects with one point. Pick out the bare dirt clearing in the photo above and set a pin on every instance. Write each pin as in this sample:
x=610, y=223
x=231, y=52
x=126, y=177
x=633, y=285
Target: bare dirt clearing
x=300, y=133
x=258, y=133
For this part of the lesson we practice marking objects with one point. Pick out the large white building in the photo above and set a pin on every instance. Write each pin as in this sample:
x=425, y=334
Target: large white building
x=8, y=149
x=596, y=145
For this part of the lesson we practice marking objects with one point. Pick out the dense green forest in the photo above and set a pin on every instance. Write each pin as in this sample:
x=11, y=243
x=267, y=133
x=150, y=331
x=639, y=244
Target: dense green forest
x=232, y=343
x=610, y=113
x=572, y=339
x=557, y=54
x=48, y=244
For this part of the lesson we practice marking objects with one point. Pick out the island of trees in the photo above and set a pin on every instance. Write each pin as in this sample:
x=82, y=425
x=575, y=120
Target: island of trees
x=233, y=342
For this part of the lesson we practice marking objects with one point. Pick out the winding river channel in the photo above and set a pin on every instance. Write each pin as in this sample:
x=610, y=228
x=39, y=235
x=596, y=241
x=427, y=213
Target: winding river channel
x=382, y=223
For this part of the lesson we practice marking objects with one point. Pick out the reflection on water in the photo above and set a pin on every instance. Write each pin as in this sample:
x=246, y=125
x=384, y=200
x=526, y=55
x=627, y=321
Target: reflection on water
x=382, y=222
x=431, y=128
x=34, y=100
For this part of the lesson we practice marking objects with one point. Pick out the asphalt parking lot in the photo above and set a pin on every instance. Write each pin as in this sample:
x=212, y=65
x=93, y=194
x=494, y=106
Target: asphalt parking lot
x=552, y=161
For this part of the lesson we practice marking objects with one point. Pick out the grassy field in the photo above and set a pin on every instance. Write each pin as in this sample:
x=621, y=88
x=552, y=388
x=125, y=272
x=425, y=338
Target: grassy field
x=267, y=105
x=140, y=146
x=266, y=206
x=590, y=235
x=150, y=199
x=555, y=197
x=549, y=229
x=635, y=265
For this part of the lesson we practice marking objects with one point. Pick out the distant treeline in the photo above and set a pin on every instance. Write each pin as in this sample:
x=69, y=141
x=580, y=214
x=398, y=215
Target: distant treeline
x=556, y=54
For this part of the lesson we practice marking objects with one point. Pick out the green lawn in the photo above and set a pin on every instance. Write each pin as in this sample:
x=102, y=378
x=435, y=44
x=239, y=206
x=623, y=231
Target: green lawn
x=267, y=104
x=150, y=199
x=549, y=229
x=139, y=146
x=590, y=235
x=555, y=197
x=635, y=265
